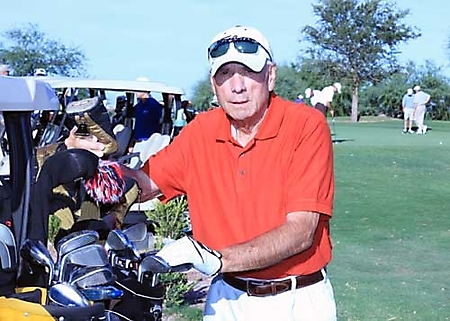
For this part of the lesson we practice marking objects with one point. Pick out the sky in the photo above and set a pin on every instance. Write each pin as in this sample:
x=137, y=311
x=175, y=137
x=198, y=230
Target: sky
x=166, y=41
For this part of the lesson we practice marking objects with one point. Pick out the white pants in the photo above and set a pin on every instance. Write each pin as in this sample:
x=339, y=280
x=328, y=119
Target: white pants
x=310, y=303
x=419, y=116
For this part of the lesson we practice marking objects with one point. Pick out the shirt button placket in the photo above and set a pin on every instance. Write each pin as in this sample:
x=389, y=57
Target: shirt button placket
x=242, y=170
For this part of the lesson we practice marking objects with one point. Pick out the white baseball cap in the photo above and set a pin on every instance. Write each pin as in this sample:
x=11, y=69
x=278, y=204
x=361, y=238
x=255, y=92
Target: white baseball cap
x=409, y=91
x=417, y=88
x=40, y=72
x=249, y=48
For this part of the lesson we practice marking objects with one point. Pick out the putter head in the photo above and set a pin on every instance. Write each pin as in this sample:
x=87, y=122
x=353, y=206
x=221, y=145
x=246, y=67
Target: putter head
x=67, y=295
x=34, y=251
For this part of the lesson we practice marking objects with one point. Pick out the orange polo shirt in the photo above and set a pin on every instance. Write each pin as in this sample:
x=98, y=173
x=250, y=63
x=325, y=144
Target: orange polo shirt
x=237, y=193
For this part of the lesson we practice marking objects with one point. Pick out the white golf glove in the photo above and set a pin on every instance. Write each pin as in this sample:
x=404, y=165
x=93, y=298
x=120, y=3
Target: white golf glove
x=189, y=251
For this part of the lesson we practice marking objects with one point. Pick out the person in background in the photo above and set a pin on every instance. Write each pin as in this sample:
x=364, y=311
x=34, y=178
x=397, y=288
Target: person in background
x=326, y=98
x=40, y=72
x=180, y=119
x=4, y=70
x=148, y=114
x=421, y=98
x=189, y=111
x=314, y=96
x=258, y=173
x=408, y=111
x=299, y=99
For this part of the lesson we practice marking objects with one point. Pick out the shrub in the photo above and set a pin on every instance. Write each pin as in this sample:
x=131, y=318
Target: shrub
x=54, y=224
x=171, y=222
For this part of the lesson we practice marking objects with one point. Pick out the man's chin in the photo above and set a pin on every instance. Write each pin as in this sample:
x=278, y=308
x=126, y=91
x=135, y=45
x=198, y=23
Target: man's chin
x=239, y=115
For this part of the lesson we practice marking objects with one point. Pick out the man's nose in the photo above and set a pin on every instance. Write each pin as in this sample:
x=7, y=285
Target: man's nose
x=237, y=82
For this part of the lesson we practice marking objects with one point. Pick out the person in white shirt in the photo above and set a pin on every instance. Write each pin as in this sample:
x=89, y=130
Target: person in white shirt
x=421, y=98
x=313, y=96
x=326, y=97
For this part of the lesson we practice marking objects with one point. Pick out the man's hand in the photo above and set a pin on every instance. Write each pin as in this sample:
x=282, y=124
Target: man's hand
x=89, y=143
x=189, y=251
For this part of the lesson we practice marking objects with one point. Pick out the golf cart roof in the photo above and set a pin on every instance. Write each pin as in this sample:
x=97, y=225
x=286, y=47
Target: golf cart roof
x=22, y=94
x=111, y=84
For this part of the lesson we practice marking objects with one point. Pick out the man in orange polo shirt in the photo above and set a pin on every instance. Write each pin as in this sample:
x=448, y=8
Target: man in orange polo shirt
x=258, y=174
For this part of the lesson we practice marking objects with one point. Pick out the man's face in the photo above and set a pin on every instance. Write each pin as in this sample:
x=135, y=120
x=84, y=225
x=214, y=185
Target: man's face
x=5, y=72
x=141, y=95
x=243, y=93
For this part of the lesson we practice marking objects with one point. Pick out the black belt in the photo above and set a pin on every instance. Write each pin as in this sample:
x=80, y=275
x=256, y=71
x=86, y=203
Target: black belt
x=270, y=287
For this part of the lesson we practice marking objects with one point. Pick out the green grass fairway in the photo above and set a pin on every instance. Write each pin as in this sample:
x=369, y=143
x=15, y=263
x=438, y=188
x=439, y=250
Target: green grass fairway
x=391, y=224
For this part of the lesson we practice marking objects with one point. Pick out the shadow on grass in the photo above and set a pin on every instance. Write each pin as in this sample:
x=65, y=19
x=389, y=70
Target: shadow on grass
x=341, y=140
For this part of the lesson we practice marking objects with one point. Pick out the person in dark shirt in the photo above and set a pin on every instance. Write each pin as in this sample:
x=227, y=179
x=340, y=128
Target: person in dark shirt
x=148, y=113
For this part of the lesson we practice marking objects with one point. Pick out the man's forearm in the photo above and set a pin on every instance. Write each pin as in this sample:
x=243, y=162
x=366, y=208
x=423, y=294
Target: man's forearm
x=148, y=189
x=293, y=237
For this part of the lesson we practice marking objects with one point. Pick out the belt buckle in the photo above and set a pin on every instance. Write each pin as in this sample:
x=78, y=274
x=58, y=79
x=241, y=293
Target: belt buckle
x=270, y=288
x=251, y=288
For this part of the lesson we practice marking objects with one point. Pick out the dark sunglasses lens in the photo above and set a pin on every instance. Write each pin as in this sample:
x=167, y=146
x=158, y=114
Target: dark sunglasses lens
x=247, y=47
x=219, y=49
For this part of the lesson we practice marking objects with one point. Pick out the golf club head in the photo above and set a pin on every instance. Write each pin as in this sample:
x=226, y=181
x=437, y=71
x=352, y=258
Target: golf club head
x=90, y=255
x=136, y=232
x=155, y=264
x=5, y=257
x=67, y=295
x=6, y=235
x=88, y=276
x=118, y=242
x=75, y=240
x=34, y=251
x=140, y=237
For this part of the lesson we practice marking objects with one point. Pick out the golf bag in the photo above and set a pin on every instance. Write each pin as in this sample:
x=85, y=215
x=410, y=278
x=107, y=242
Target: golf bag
x=140, y=301
x=19, y=308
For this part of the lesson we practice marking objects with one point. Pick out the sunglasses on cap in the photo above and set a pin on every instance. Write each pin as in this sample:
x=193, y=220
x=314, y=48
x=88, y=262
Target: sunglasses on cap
x=242, y=45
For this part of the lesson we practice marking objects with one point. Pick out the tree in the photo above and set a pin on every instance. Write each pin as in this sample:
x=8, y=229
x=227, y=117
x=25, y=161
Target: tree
x=290, y=82
x=357, y=41
x=203, y=94
x=28, y=48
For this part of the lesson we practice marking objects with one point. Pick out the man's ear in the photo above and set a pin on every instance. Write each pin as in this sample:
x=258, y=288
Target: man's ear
x=272, y=76
x=213, y=87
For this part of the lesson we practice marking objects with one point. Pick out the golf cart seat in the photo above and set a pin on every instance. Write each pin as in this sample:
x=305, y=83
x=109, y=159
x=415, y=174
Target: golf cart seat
x=123, y=135
x=144, y=149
